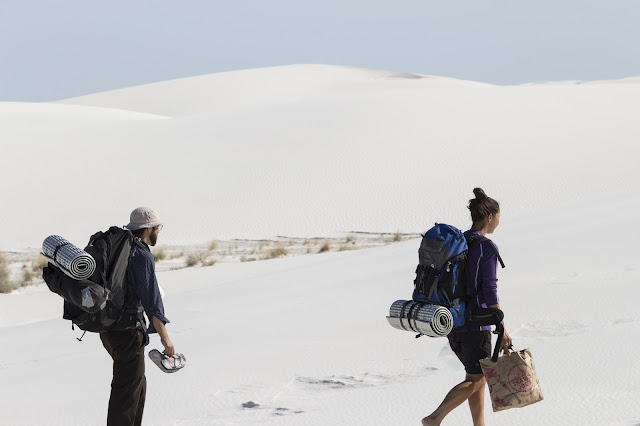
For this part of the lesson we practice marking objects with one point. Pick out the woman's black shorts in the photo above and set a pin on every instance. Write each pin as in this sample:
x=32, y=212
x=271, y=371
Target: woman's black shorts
x=471, y=347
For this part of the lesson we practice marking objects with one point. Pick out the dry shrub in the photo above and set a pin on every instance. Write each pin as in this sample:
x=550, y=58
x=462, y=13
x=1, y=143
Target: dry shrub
x=398, y=237
x=39, y=263
x=6, y=286
x=27, y=276
x=209, y=262
x=213, y=246
x=277, y=252
x=351, y=239
x=159, y=255
x=325, y=247
x=31, y=272
x=193, y=259
x=264, y=243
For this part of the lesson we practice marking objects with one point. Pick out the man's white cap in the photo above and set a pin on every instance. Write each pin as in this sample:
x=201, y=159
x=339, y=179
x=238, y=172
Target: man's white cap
x=143, y=217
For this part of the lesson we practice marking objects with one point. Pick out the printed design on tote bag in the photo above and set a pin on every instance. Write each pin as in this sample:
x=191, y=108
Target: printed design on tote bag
x=520, y=379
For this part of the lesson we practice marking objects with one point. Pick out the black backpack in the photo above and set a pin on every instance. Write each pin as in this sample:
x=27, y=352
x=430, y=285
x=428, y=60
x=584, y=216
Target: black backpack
x=97, y=304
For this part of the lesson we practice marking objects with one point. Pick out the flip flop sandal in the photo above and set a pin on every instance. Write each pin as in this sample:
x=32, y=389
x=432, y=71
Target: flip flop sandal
x=168, y=364
x=179, y=360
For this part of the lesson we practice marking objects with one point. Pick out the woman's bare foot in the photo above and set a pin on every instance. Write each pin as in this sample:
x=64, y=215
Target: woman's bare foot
x=428, y=421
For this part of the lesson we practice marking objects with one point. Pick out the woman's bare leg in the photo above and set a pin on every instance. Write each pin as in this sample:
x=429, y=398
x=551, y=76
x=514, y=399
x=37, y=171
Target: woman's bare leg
x=456, y=396
x=476, y=404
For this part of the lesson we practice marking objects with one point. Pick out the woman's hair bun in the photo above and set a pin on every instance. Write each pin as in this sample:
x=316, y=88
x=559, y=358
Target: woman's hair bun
x=482, y=206
x=479, y=193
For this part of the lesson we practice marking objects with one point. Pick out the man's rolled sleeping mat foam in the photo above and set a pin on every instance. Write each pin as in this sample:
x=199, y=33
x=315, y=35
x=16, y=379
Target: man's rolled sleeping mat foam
x=73, y=261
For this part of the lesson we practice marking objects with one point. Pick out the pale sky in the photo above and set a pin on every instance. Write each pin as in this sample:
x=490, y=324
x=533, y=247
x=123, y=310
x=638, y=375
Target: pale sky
x=51, y=50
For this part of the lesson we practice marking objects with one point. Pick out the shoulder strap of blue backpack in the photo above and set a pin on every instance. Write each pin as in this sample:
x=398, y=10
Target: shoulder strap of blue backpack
x=478, y=239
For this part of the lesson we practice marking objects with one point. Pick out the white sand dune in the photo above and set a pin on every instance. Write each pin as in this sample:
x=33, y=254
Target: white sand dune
x=254, y=88
x=35, y=112
x=319, y=150
x=314, y=150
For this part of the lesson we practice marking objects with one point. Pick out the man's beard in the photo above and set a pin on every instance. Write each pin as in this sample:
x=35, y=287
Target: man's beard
x=153, y=238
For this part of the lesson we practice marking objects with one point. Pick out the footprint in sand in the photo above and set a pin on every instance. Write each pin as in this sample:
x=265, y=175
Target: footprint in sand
x=341, y=382
x=550, y=329
x=366, y=380
x=250, y=404
x=281, y=411
x=565, y=278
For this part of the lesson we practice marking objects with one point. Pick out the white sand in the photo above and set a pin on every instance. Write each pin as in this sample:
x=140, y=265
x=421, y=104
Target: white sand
x=316, y=150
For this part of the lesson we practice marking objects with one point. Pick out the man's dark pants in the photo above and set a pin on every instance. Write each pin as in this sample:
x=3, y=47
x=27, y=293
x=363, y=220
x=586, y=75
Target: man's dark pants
x=129, y=384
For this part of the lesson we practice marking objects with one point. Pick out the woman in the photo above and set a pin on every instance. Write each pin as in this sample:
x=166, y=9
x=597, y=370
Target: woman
x=471, y=344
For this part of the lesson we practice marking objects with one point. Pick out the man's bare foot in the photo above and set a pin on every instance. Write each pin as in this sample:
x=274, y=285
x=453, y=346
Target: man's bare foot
x=428, y=421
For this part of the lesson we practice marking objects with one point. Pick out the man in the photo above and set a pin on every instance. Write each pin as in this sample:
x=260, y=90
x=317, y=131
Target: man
x=126, y=343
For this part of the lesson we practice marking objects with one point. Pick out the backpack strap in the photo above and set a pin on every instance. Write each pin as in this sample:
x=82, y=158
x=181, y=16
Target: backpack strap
x=412, y=311
x=404, y=306
x=425, y=280
x=478, y=239
x=138, y=242
x=55, y=252
x=432, y=286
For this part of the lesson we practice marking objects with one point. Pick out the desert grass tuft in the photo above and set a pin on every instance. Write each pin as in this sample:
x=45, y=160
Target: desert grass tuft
x=31, y=272
x=209, y=261
x=325, y=247
x=193, y=259
x=277, y=252
x=6, y=286
x=27, y=277
x=38, y=263
x=159, y=254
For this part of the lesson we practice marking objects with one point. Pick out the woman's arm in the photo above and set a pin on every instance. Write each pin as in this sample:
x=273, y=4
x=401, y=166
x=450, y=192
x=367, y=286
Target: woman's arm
x=507, y=342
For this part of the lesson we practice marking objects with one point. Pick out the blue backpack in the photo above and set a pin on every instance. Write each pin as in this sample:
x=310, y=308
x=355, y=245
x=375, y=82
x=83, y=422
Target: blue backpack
x=441, y=275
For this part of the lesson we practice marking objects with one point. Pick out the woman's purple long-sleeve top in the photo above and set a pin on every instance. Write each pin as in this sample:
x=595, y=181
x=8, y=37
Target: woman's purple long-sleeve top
x=482, y=280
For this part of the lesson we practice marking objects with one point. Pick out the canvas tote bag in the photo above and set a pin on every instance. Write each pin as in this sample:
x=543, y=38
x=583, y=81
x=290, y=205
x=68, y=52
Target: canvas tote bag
x=512, y=380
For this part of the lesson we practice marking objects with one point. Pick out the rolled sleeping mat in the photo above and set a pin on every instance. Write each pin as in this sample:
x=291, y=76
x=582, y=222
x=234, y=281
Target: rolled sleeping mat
x=73, y=261
x=417, y=317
